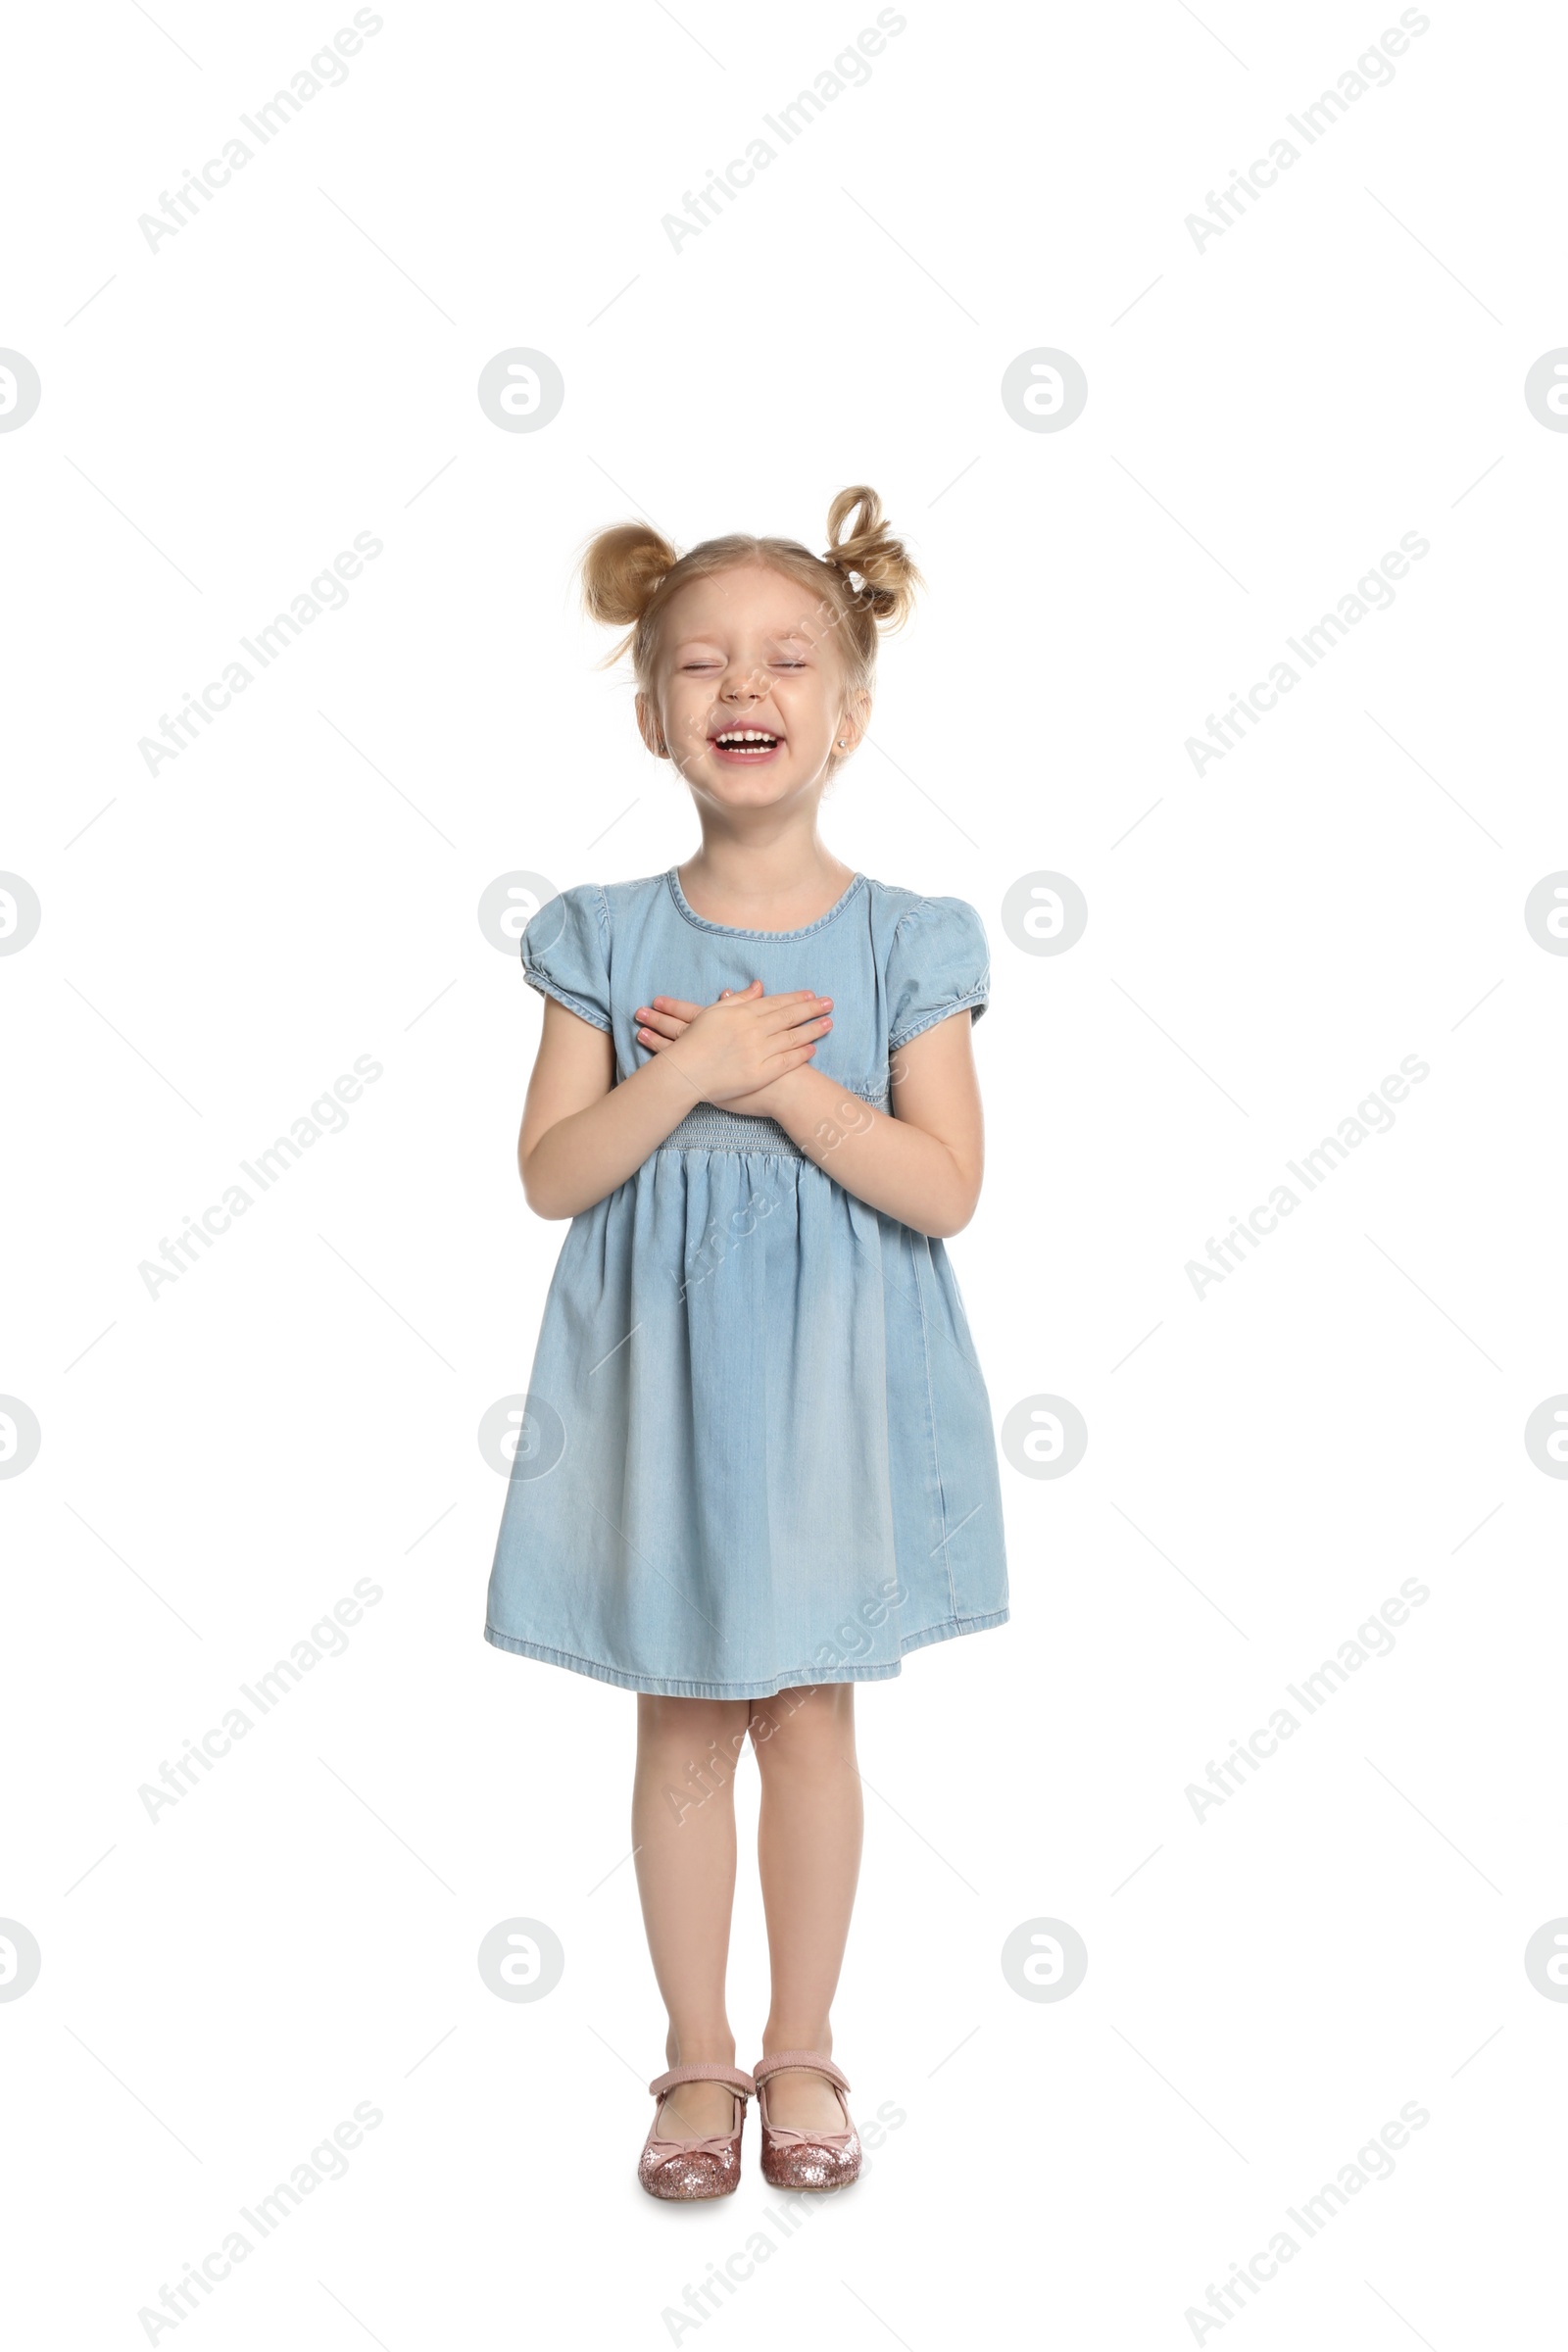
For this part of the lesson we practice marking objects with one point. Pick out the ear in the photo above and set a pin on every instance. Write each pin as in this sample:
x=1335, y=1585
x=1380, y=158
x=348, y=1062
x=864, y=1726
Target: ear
x=854, y=721
x=649, y=728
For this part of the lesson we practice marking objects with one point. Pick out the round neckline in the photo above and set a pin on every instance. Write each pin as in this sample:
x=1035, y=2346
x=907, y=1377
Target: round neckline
x=738, y=931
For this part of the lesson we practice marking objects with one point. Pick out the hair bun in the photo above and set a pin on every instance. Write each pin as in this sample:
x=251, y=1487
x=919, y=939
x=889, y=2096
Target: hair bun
x=888, y=577
x=620, y=570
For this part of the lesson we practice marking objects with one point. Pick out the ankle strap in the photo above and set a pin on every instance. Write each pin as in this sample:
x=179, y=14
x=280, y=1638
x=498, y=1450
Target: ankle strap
x=736, y=2076
x=812, y=2060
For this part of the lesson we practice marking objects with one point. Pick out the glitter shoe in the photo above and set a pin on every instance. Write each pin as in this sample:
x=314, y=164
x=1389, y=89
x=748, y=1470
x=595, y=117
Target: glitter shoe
x=686, y=2169
x=805, y=2159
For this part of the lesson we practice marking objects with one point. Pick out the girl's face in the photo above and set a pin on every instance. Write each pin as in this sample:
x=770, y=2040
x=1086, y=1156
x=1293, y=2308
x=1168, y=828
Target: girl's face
x=749, y=698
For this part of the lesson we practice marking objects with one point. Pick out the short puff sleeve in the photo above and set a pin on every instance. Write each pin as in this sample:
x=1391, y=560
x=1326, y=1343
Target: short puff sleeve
x=939, y=962
x=565, y=952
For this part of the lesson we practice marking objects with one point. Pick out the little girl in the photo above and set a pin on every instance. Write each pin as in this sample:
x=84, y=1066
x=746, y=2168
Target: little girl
x=757, y=1463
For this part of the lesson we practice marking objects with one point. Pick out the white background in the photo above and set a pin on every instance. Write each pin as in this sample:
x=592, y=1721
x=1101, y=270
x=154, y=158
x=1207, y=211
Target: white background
x=1266, y=1465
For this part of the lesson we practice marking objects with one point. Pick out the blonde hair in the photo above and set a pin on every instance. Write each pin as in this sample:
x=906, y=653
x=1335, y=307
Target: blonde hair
x=631, y=573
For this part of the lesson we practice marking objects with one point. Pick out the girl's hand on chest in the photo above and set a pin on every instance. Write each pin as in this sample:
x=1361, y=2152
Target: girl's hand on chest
x=736, y=1049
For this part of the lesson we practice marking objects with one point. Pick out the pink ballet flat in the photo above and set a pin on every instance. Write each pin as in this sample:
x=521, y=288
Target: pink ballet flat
x=805, y=2159
x=685, y=2169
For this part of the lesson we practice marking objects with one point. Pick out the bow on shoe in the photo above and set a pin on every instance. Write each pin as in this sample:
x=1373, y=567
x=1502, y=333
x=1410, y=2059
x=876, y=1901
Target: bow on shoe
x=706, y=2167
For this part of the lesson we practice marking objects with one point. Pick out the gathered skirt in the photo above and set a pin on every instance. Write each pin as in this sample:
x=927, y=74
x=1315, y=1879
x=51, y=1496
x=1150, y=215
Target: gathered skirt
x=756, y=1449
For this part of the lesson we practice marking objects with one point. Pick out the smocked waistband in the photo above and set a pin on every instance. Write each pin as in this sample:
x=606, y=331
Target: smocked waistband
x=710, y=1128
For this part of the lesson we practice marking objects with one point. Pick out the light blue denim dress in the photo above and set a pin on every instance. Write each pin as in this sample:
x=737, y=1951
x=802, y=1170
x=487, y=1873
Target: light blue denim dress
x=756, y=1449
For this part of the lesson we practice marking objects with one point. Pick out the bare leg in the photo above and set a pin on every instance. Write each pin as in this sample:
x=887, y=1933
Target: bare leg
x=683, y=1830
x=808, y=1854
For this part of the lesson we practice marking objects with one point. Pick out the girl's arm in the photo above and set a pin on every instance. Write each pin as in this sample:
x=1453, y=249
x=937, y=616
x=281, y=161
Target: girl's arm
x=922, y=1166
x=924, y=1163
x=582, y=1135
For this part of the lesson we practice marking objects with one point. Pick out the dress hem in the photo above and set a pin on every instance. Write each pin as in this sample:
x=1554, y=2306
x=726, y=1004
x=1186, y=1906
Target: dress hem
x=661, y=1686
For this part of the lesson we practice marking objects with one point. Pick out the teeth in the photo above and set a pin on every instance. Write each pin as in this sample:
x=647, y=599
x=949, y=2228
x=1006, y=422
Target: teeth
x=745, y=735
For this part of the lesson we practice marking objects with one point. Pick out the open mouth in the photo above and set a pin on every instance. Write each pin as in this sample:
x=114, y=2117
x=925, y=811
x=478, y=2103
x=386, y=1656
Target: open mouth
x=745, y=743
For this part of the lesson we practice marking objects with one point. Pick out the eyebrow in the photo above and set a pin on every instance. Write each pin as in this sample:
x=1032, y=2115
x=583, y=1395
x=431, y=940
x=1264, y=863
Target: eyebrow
x=776, y=637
